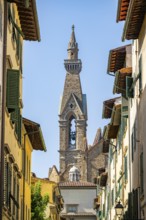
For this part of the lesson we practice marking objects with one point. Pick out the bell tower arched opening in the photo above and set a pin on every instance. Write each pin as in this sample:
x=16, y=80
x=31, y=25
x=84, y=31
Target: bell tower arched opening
x=72, y=132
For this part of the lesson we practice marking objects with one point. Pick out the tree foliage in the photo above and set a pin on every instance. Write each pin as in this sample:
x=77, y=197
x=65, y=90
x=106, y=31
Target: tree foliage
x=38, y=202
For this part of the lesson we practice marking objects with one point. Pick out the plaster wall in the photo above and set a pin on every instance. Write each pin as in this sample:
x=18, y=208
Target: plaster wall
x=81, y=197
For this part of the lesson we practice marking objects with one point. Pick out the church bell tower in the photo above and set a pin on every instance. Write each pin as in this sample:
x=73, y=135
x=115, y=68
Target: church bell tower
x=73, y=117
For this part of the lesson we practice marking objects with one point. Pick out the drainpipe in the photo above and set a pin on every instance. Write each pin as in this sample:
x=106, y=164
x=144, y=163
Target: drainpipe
x=3, y=90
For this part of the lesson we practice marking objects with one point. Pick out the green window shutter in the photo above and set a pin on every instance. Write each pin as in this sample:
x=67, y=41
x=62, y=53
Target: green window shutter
x=9, y=185
x=12, y=99
x=5, y=181
x=141, y=174
x=14, y=192
x=112, y=197
x=129, y=90
x=18, y=45
x=125, y=111
x=111, y=154
x=17, y=119
x=103, y=210
x=132, y=146
x=140, y=74
x=20, y=51
x=130, y=205
x=135, y=204
x=125, y=168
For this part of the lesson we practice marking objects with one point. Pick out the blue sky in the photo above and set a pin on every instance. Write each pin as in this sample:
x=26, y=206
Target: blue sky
x=96, y=33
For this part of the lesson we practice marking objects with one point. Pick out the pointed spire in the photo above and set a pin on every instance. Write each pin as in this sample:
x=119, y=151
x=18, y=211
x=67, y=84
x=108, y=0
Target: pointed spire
x=72, y=42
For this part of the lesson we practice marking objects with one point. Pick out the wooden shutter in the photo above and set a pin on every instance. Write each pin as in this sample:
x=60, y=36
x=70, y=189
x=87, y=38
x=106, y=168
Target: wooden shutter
x=14, y=192
x=130, y=205
x=12, y=99
x=125, y=168
x=5, y=180
x=18, y=45
x=140, y=74
x=9, y=185
x=17, y=119
x=141, y=174
x=129, y=90
x=135, y=204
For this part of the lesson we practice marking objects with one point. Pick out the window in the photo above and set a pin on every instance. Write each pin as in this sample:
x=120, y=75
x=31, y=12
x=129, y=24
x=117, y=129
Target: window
x=1, y=21
x=14, y=192
x=133, y=141
x=140, y=75
x=72, y=208
x=12, y=100
x=112, y=197
x=141, y=174
x=129, y=87
x=125, y=169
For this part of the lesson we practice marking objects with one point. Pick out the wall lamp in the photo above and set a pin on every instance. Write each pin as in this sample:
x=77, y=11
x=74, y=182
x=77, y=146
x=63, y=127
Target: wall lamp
x=119, y=209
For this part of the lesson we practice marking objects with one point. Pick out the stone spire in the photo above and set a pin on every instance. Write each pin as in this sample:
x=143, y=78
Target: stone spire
x=73, y=65
x=73, y=46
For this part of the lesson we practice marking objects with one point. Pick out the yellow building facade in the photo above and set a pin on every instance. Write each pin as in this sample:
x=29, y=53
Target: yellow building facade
x=56, y=201
x=20, y=23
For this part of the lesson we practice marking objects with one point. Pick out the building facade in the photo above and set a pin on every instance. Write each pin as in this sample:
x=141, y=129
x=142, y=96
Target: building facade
x=78, y=197
x=56, y=202
x=18, y=22
x=126, y=166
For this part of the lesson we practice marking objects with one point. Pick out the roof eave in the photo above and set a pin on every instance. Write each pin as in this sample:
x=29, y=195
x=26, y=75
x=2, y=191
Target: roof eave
x=36, y=20
x=35, y=132
x=118, y=11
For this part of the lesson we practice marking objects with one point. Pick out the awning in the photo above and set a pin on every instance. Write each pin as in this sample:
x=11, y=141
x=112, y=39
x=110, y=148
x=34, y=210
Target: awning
x=112, y=131
x=108, y=107
x=120, y=80
x=28, y=19
x=116, y=59
x=122, y=9
x=134, y=19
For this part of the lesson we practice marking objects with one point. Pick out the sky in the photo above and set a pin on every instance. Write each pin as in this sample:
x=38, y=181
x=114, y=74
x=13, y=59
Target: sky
x=96, y=33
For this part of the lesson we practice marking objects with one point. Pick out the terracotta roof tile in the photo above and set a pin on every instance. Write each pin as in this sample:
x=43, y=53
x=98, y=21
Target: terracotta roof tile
x=77, y=214
x=76, y=184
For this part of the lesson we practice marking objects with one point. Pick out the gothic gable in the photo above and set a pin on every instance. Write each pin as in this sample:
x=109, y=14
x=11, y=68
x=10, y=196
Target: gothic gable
x=72, y=107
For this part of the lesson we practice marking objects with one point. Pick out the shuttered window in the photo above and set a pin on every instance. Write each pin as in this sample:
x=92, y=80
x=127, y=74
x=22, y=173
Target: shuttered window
x=130, y=205
x=140, y=75
x=5, y=181
x=135, y=204
x=9, y=185
x=112, y=197
x=17, y=199
x=103, y=210
x=14, y=193
x=17, y=119
x=12, y=98
x=141, y=174
x=129, y=89
x=18, y=45
x=125, y=169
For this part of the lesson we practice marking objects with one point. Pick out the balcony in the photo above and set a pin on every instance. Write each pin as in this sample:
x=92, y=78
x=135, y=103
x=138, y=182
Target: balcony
x=73, y=66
